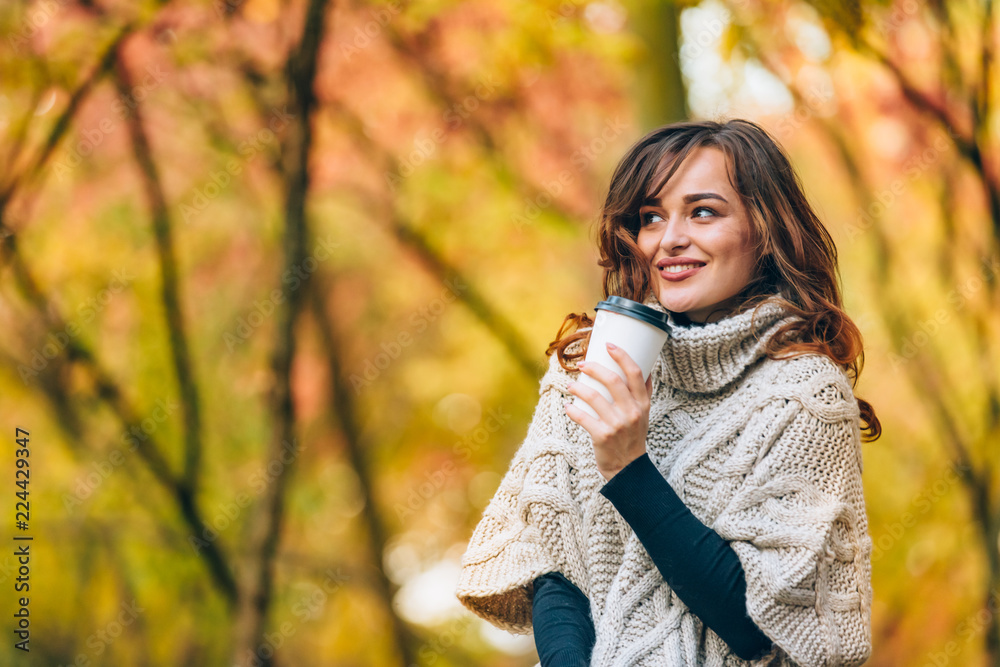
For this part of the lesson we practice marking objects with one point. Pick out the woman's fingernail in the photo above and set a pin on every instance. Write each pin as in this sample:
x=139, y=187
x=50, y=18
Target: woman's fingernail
x=581, y=364
x=612, y=346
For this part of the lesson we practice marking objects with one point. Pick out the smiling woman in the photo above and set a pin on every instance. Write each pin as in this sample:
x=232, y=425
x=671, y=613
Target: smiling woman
x=712, y=513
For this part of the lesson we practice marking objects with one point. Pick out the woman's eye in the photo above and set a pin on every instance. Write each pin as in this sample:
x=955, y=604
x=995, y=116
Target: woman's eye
x=703, y=212
x=648, y=218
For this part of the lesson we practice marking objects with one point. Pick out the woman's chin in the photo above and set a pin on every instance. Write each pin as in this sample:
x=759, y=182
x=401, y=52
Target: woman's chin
x=677, y=305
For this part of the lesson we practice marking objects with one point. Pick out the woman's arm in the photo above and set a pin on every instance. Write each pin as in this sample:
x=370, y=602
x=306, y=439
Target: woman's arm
x=560, y=614
x=698, y=565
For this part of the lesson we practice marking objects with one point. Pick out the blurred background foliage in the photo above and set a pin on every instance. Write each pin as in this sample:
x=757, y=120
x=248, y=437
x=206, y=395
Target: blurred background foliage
x=277, y=280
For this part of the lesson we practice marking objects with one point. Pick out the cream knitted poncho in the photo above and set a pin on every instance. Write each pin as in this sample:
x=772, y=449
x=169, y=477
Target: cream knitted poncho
x=767, y=453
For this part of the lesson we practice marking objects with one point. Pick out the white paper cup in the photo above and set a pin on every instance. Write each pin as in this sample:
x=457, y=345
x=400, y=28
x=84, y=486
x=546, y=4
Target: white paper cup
x=637, y=329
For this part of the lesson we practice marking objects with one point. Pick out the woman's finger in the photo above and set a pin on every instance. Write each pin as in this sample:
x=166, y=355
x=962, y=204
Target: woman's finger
x=583, y=418
x=596, y=400
x=633, y=374
x=619, y=391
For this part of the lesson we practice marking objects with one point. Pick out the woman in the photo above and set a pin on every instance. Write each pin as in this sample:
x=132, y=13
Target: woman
x=714, y=513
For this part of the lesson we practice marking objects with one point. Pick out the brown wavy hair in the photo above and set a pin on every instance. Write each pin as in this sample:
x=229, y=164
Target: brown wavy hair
x=796, y=256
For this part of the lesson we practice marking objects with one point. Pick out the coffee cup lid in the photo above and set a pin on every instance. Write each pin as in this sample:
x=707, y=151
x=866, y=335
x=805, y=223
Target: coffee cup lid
x=623, y=306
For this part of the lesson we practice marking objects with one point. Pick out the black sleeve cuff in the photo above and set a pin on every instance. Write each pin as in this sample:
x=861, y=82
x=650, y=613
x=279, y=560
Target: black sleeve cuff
x=560, y=613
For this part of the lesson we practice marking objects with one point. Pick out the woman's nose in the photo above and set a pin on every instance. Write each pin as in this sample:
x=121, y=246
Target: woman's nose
x=675, y=235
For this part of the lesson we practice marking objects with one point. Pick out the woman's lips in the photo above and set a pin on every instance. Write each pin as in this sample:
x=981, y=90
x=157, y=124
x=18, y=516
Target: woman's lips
x=680, y=275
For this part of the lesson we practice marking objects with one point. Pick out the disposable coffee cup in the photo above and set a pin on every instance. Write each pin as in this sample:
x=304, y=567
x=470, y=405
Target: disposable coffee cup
x=637, y=329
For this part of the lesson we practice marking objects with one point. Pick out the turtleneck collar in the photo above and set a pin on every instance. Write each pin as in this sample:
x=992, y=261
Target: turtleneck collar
x=702, y=358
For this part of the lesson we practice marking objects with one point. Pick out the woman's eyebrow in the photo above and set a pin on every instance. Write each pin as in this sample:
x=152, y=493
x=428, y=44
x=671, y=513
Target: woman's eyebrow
x=698, y=196
x=688, y=199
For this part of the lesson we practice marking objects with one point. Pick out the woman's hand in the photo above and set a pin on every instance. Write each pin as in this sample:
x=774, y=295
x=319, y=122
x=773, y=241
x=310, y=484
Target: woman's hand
x=620, y=434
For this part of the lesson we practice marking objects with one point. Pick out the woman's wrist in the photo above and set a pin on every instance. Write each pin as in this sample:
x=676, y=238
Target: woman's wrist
x=609, y=472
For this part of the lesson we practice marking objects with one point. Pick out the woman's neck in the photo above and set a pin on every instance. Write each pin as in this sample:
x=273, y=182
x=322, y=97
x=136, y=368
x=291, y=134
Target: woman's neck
x=714, y=316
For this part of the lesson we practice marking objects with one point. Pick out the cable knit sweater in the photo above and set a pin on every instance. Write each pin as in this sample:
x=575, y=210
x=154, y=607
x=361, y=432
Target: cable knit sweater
x=765, y=452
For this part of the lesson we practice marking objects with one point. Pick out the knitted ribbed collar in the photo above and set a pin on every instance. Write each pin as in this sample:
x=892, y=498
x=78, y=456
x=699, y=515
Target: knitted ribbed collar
x=702, y=358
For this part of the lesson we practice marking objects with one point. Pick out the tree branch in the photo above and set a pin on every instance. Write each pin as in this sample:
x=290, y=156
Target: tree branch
x=410, y=237
x=969, y=146
x=343, y=406
x=169, y=289
x=63, y=122
x=438, y=87
x=257, y=580
x=107, y=390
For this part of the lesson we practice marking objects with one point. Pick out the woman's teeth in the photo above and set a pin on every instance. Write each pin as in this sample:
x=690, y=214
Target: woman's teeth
x=677, y=268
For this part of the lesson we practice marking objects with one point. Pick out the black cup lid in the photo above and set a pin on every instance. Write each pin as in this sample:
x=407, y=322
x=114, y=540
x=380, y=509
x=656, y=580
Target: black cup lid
x=623, y=306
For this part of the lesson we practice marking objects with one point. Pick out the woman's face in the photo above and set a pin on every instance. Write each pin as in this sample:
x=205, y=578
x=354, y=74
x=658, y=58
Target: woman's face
x=695, y=234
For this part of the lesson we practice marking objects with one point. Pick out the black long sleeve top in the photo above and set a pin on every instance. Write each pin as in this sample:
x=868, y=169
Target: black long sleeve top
x=698, y=565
